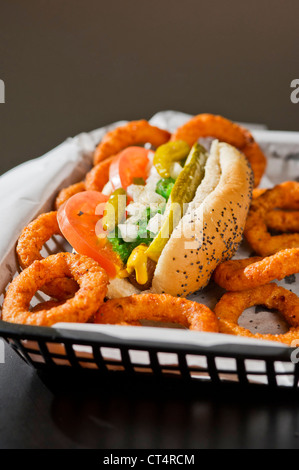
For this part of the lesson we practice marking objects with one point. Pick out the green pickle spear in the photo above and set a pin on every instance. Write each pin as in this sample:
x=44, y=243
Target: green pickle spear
x=182, y=193
x=169, y=153
x=115, y=210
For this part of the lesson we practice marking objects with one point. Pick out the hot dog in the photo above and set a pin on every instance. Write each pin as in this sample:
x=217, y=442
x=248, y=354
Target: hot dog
x=184, y=213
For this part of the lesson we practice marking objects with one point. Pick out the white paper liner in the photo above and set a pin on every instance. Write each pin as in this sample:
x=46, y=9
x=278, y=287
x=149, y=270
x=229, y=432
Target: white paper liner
x=30, y=189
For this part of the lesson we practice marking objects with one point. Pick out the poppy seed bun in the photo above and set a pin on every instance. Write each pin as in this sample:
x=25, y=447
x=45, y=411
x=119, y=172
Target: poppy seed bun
x=209, y=232
x=212, y=228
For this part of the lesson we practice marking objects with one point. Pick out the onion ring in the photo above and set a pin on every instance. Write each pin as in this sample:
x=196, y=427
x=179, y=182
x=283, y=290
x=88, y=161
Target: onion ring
x=256, y=232
x=95, y=180
x=31, y=241
x=243, y=274
x=209, y=125
x=232, y=304
x=92, y=280
x=283, y=221
x=133, y=133
x=68, y=192
x=46, y=305
x=157, y=307
x=257, y=192
x=278, y=220
x=98, y=176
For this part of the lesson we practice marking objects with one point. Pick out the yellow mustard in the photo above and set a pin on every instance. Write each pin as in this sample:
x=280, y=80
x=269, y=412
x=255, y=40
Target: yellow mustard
x=138, y=262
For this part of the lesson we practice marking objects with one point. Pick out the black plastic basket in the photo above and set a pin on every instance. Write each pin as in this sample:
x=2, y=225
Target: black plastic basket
x=50, y=349
x=57, y=349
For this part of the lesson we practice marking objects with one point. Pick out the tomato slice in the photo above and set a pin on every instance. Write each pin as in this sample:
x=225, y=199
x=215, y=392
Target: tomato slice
x=77, y=220
x=133, y=162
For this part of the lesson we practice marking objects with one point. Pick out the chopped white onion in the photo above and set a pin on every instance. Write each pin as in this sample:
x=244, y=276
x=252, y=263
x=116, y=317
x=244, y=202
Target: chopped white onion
x=175, y=170
x=107, y=189
x=134, y=191
x=128, y=232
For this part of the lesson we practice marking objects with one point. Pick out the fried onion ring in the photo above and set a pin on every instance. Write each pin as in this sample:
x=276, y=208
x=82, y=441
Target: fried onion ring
x=243, y=274
x=132, y=133
x=232, y=304
x=257, y=192
x=98, y=176
x=278, y=220
x=46, y=305
x=282, y=196
x=209, y=125
x=283, y=221
x=68, y=192
x=31, y=241
x=92, y=280
x=95, y=180
x=157, y=307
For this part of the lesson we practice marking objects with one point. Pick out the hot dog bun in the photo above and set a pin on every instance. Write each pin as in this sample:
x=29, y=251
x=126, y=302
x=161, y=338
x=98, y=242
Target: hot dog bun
x=211, y=229
x=213, y=226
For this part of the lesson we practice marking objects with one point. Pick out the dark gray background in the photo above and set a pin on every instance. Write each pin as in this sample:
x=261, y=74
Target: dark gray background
x=72, y=65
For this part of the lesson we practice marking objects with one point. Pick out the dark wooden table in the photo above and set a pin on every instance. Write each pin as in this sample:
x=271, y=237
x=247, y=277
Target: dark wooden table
x=74, y=66
x=71, y=411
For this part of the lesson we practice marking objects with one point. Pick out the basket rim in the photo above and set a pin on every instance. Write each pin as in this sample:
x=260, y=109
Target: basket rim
x=91, y=338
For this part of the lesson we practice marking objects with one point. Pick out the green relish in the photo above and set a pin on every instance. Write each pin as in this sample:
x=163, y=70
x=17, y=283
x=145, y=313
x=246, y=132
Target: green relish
x=124, y=249
x=164, y=187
